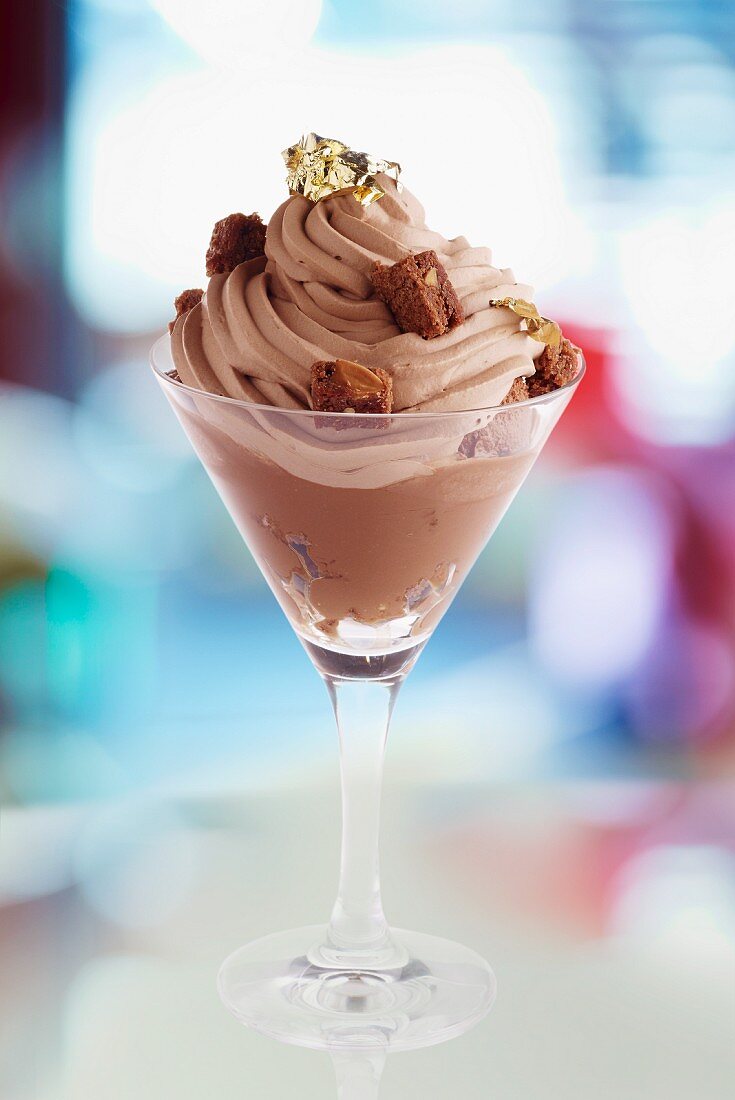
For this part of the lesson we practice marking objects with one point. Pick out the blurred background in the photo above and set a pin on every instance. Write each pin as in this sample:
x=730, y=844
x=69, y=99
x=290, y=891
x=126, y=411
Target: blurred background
x=561, y=772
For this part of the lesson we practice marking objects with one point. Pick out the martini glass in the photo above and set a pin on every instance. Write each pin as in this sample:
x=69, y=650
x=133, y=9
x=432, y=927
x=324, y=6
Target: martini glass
x=364, y=527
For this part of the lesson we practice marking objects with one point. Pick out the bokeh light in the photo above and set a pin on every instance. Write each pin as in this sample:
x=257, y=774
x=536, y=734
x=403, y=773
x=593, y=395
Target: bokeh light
x=136, y=865
x=679, y=901
x=595, y=611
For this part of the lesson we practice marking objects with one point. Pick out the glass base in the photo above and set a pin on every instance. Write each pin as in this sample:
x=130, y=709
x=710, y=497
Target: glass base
x=441, y=990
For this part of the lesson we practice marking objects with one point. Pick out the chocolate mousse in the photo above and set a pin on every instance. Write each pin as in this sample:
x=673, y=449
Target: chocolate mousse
x=364, y=534
x=347, y=303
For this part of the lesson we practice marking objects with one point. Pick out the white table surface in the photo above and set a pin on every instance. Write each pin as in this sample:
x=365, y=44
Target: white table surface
x=115, y=917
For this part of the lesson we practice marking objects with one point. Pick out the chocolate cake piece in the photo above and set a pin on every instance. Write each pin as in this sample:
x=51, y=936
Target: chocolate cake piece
x=554, y=368
x=419, y=294
x=235, y=239
x=502, y=432
x=517, y=392
x=185, y=301
x=342, y=386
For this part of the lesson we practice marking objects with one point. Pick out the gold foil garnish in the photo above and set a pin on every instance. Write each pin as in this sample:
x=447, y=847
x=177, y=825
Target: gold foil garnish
x=319, y=167
x=540, y=328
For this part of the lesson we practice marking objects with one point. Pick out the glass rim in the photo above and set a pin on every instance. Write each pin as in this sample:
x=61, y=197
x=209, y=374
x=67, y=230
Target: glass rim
x=542, y=399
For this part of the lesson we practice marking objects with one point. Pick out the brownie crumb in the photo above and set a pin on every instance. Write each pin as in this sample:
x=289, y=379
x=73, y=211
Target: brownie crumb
x=185, y=301
x=419, y=294
x=341, y=386
x=554, y=368
x=235, y=239
x=517, y=392
x=174, y=375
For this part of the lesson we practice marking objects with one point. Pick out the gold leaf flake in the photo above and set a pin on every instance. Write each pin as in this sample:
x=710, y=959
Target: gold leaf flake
x=538, y=327
x=319, y=167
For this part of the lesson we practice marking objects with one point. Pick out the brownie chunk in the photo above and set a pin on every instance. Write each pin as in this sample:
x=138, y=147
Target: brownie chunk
x=517, y=392
x=554, y=368
x=185, y=301
x=500, y=435
x=341, y=386
x=419, y=294
x=235, y=239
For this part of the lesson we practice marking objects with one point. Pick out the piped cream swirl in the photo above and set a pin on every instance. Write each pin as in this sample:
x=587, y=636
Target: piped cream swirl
x=258, y=330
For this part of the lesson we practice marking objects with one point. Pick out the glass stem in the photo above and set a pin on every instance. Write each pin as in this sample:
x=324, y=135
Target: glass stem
x=363, y=710
x=358, y=1074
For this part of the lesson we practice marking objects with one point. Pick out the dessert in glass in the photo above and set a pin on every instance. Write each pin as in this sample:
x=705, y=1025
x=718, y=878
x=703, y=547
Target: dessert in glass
x=367, y=398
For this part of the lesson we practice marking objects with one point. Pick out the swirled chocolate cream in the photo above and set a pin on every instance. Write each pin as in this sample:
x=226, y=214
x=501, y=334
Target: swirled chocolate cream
x=347, y=303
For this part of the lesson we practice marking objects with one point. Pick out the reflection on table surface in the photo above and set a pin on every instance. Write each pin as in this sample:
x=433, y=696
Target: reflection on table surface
x=607, y=911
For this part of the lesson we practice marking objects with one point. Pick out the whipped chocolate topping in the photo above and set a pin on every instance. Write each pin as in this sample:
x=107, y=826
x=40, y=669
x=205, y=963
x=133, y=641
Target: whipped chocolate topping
x=259, y=329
